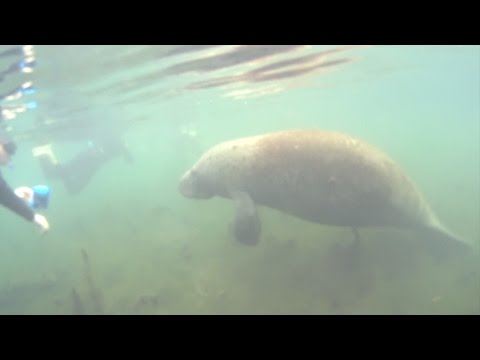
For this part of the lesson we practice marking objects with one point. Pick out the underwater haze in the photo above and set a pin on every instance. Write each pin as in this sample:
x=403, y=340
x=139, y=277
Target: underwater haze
x=118, y=126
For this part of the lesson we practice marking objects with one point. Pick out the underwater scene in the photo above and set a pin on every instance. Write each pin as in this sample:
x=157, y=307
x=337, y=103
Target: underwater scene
x=239, y=179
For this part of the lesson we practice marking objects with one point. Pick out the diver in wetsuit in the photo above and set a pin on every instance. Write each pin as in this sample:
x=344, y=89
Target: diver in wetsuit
x=104, y=143
x=77, y=173
x=8, y=198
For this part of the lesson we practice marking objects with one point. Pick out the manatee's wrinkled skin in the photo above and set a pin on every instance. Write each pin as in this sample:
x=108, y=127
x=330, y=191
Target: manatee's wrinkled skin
x=323, y=177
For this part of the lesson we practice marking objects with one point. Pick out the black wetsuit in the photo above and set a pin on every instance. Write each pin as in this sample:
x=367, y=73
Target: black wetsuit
x=77, y=173
x=13, y=202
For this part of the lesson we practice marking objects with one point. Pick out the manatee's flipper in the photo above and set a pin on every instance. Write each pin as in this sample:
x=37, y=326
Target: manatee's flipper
x=442, y=244
x=246, y=227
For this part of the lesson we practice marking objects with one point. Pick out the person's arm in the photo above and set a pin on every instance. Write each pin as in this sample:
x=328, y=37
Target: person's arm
x=13, y=202
x=10, y=200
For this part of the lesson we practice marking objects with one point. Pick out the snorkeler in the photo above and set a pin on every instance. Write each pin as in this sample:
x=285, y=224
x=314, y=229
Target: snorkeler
x=77, y=173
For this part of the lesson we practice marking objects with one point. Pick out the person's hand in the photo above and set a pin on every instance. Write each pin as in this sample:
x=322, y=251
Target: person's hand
x=41, y=221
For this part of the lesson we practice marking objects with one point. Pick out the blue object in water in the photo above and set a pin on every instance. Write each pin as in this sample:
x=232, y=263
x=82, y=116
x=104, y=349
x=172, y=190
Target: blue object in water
x=28, y=91
x=41, y=196
x=32, y=105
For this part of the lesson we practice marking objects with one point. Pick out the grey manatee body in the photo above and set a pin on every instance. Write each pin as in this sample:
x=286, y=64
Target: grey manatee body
x=319, y=176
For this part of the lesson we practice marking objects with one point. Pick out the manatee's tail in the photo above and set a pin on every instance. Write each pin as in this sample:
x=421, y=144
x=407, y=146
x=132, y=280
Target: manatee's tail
x=442, y=244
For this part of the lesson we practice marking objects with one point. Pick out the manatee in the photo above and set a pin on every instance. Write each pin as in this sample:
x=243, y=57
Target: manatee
x=324, y=177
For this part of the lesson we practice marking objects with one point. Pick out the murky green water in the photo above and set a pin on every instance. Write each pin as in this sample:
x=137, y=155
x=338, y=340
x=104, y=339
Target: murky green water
x=129, y=243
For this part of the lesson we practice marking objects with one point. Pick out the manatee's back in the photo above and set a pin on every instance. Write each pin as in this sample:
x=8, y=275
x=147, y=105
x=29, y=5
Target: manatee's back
x=325, y=177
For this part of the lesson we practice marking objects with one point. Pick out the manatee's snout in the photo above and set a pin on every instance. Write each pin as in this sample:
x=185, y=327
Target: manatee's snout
x=192, y=185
